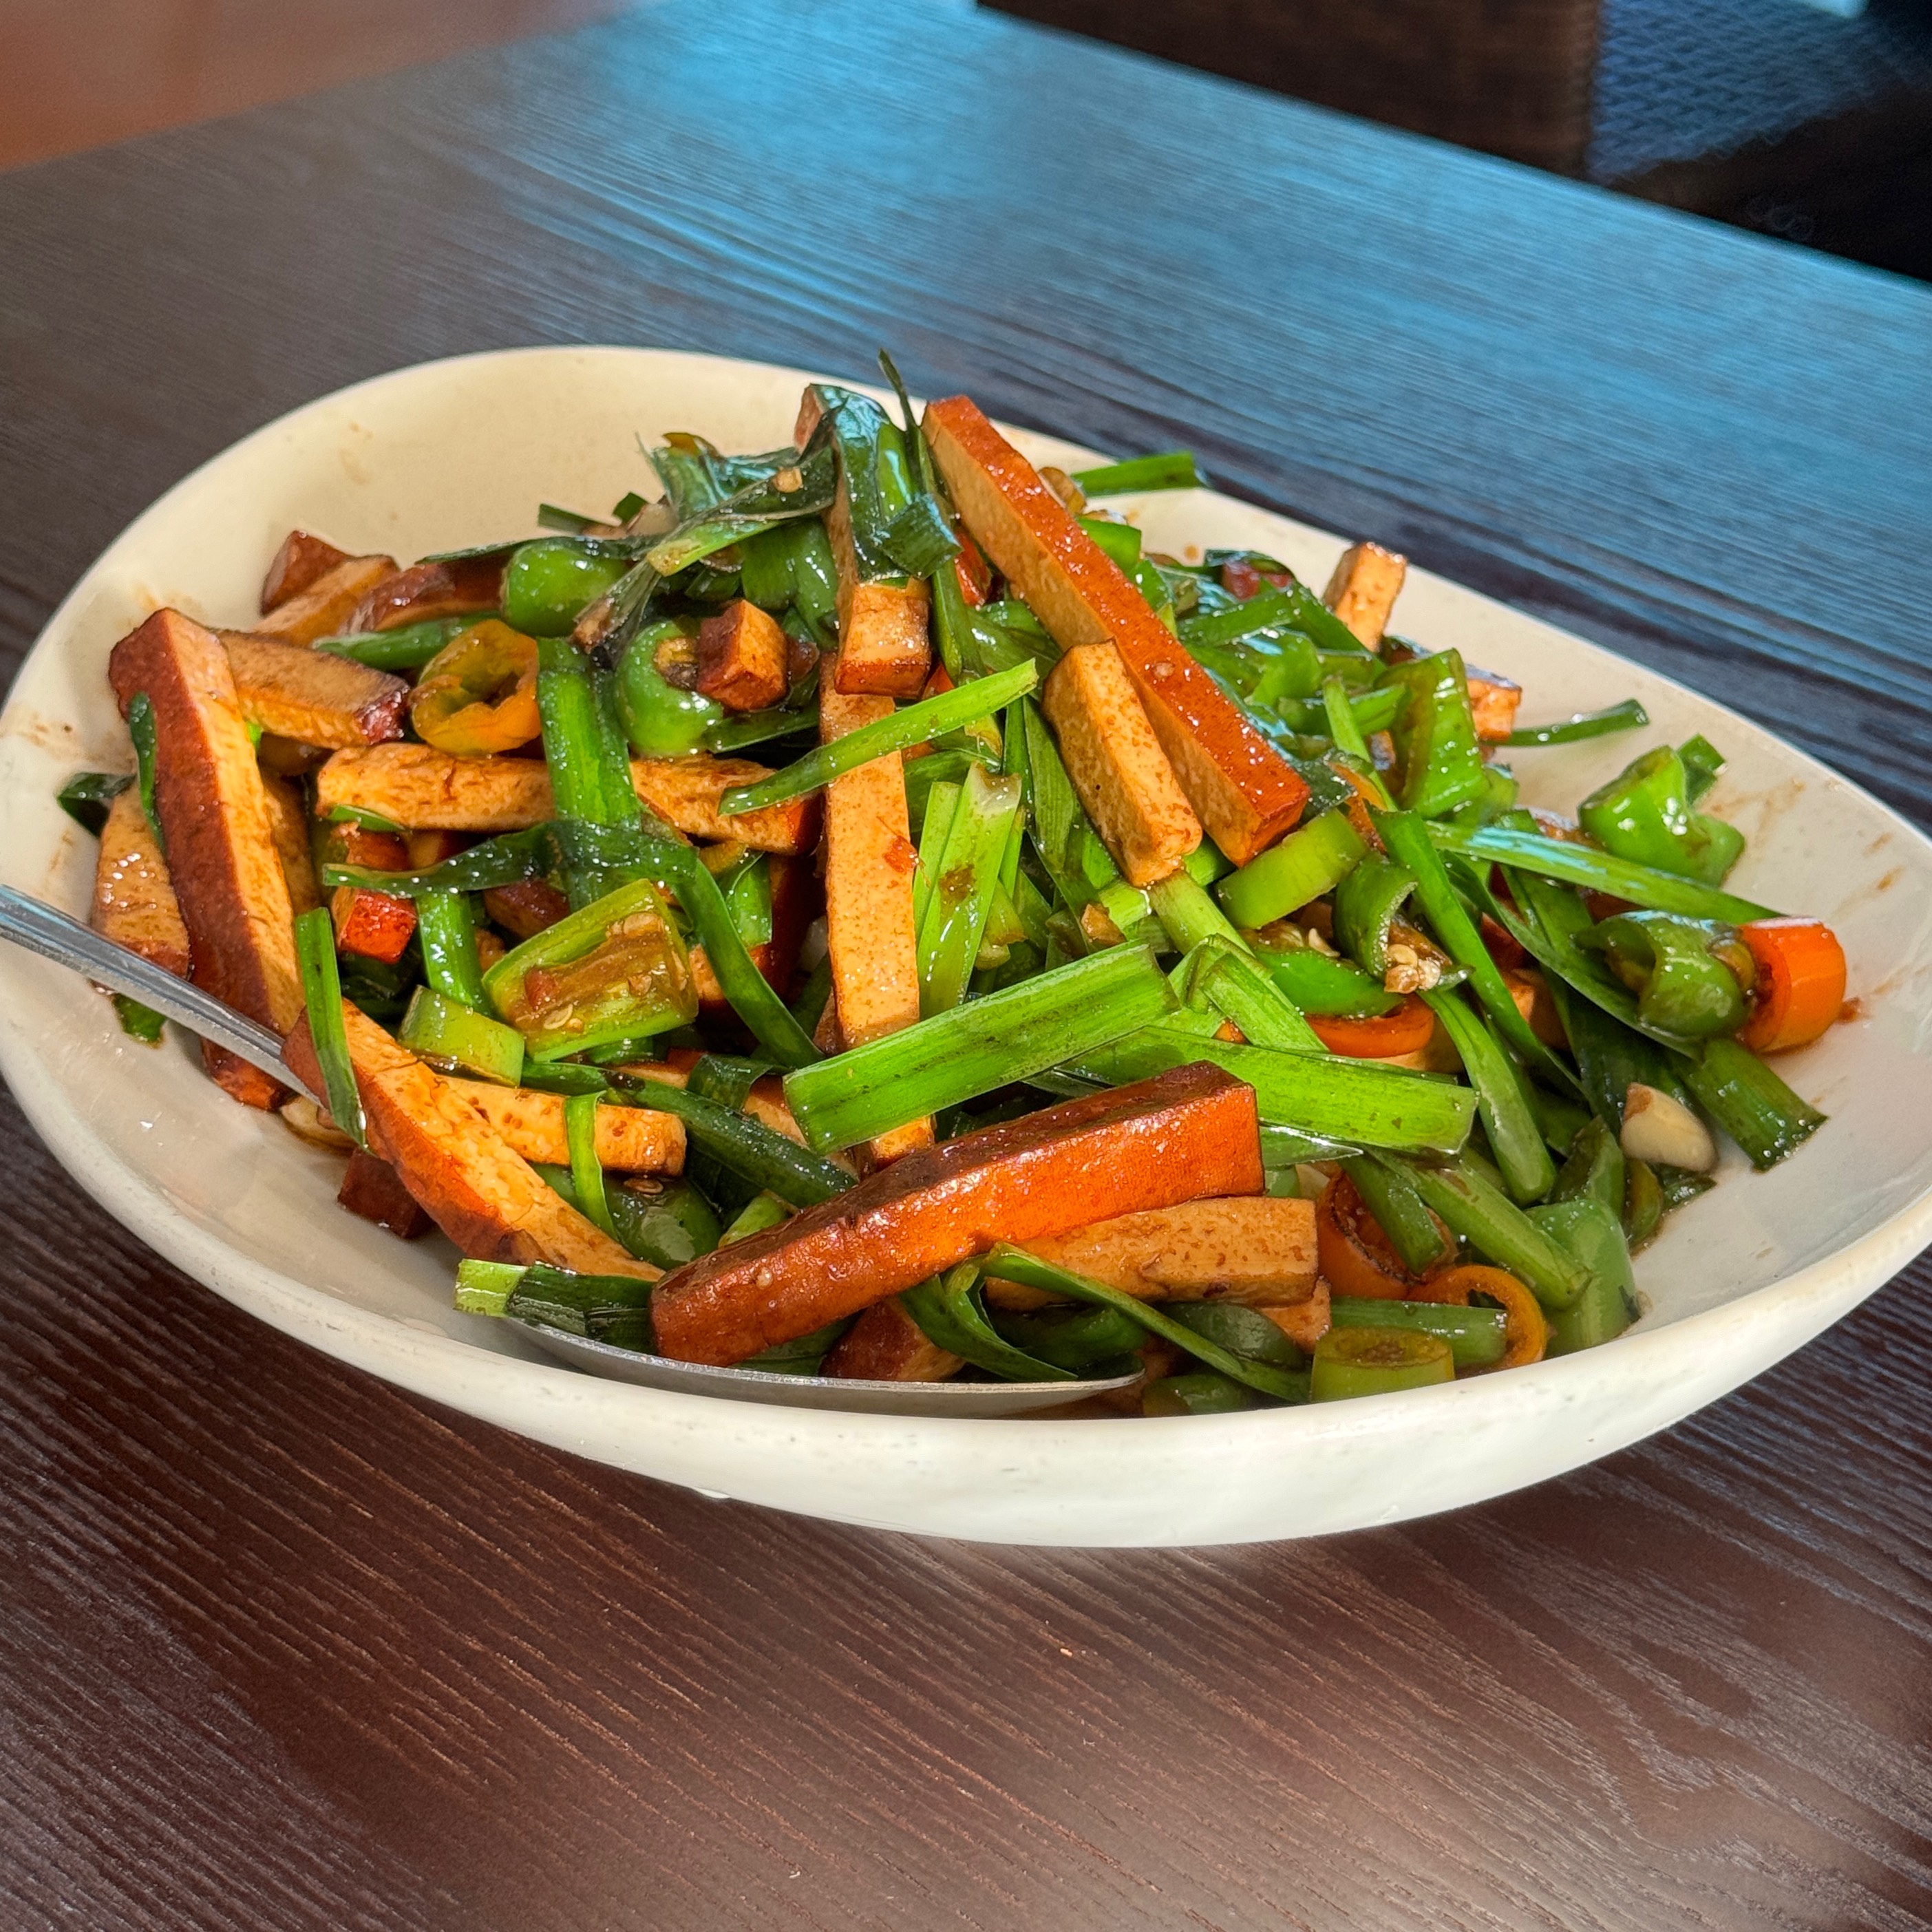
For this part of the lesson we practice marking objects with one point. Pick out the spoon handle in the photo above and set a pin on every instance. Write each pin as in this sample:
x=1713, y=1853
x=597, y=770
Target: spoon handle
x=44, y=929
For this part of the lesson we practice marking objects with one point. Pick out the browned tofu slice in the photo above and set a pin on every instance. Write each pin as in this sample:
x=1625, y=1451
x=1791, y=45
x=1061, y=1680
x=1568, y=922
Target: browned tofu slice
x=213, y=817
x=870, y=860
x=686, y=792
x=328, y=605
x=373, y=1189
x=1253, y=1249
x=474, y=1185
x=742, y=658
x=885, y=1345
x=1363, y=590
x=634, y=1140
x=134, y=903
x=289, y=827
x=884, y=647
x=1304, y=1323
x=301, y=560
x=1118, y=765
x=1242, y=790
x=459, y=587
x=314, y=697
x=419, y=787
x=1493, y=699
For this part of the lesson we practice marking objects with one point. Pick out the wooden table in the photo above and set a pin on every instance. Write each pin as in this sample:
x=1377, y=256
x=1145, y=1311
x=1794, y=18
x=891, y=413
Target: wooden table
x=281, y=1647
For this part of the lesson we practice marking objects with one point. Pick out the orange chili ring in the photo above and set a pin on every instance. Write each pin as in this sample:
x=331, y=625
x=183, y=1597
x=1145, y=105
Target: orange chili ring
x=478, y=693
x=1407, y=1030
x=1527, y=1331
x=1800, y=985
x=1355, y=1256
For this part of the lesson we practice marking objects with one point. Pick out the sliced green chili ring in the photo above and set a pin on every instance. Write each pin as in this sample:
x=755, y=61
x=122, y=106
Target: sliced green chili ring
x=1366, y=903
x=1436, y=740
x=1382, y=1361
x=1478, y=1338
x=1315, y=859
x=1317, y=982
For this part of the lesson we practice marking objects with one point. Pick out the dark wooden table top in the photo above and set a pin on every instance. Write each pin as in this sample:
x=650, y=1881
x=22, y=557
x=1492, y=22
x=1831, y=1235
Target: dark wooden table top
x=282, y=1648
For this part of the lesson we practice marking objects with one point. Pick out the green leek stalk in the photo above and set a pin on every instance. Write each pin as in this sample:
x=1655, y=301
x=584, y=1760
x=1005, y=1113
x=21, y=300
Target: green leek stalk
x=1702, y=763
x=1435, y=739
x=767, y=1161
x=1390, y=1195
x=1593, y=1234
x=1202, y=1393
x=1597, y=871
x=1644, y=815
x=960, y=888
x=1630, y=715
x=1478, y=1337
x=1352, y=1101
x=1381, y=1360
x=1609, y=1056
x=935, y=823
x=322, y=996
x=1594, y=1169
x=585, y=748
x=760, y=1212
x=950, y=1311
x=1245, y=1332
x=1750, y=1102
x=1473, y=1207
x=1188, y=916
x=1411, y=842
x=461, y=1038
x=957, y=1055
x=1089, y=1341
x=1174, y=470
x=407, y=648
x=1012, y=1263
x=612, y=1308
x=669, y=1225
x=1241, y=988
x=446, y=929
x=917, y=723
x=1310, y=861
x=1502, y=1098
x=586, y=1172
x=1338, y=714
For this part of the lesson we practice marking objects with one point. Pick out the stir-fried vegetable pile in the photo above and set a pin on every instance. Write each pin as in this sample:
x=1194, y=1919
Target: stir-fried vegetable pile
x=1107, y=964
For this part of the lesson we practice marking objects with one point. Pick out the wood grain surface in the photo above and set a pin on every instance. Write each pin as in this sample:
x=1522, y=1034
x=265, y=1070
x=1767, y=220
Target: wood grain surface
x=281, y=1647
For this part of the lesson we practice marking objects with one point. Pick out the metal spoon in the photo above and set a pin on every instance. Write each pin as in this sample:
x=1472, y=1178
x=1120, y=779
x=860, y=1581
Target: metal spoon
x=42, y=928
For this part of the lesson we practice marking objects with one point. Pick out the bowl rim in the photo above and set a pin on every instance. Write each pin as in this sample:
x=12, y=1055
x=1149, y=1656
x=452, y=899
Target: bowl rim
x=425, y=1361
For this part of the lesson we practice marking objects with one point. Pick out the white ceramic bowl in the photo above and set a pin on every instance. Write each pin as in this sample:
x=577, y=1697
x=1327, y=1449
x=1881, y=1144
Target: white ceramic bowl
x=460, y=452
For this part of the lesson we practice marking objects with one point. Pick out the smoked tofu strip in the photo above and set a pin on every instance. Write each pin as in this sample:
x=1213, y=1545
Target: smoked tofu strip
x=325, y=608
x=1242, y=790
x=134, y=903
x=1188, y=1133
x=1117, y=765
x=213, y=815
x=885, y=1345
x=427, y=789
x=289, y=827
x=634, y=1140
x=1493, y=699
x=1253, y=1249
x=314, y=697
x=301, y=560
x=885, y=649
x=1362, y=591
x=869, y=863
x=472, y=1183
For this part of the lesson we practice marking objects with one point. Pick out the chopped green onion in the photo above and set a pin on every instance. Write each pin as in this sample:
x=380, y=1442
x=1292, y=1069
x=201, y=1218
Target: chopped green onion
x=917, y=723
x=1750, y=1102
x=1502, y=1097
x=444, y=1030
x=1391, y=1196
x=1597, y=871
x=671, y=1224
x=1239, y=987
x=760, y=1212
x=613, y=1308
x=1176, y=470
x=958, y=1055
x=1307, y=863
x=321, y=995
x=1378, y=1361
x=137, y=1021
x=949, y=1311
x=1187, y=914
x=586, y=1172
x=1121, y=542
x=769, y=1161
x=1471, y=1205
x=408, y=647
x=1012, y=1263
x=960, y=888
x=1630, y=715
x=446, y=928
